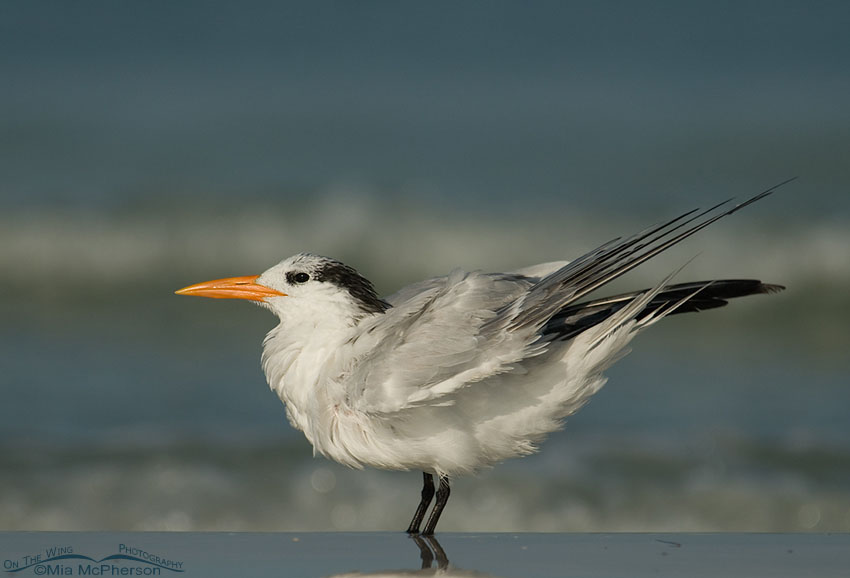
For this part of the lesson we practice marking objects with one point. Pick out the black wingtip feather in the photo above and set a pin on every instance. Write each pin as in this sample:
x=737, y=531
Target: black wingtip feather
x=680, y=298
x=768, y=288
x=609, y=261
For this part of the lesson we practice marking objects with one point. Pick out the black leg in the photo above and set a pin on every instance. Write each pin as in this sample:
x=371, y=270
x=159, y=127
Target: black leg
x=427, y=495
x=442, y=497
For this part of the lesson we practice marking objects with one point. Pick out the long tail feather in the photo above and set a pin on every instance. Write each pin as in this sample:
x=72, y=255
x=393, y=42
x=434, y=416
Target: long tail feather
x=613, y=259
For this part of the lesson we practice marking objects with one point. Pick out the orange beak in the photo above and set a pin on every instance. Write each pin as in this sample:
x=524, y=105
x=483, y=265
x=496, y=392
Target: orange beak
x=232, y=288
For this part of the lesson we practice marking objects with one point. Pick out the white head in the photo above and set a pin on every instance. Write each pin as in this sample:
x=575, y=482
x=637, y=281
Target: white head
x=303, y=283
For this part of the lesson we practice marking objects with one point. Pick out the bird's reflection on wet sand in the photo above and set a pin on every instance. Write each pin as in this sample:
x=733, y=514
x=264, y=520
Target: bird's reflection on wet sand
x=429, y=548
x=433, y=562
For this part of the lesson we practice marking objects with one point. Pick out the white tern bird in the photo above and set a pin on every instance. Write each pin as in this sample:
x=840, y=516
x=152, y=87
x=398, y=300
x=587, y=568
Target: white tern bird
x=457, y=373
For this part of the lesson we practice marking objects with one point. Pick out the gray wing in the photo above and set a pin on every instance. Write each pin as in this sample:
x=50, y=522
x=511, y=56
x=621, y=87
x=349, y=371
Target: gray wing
x=446, y=333
x=532, y=273
x=431, y=342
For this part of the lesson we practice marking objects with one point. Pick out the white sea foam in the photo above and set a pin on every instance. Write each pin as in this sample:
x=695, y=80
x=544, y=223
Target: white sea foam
x=391, y=242
x=591, y=485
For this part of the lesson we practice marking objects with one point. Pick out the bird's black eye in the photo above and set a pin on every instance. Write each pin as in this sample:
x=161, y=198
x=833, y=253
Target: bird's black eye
x=297, y=278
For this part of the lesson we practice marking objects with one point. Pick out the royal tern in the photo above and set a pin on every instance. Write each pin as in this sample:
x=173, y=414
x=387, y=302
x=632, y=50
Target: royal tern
x=458, y=373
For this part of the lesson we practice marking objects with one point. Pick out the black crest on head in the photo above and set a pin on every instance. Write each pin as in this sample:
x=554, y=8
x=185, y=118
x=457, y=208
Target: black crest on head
x=358, y=286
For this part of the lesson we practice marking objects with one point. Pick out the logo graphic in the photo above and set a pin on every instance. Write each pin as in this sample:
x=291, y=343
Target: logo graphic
x=63, y=561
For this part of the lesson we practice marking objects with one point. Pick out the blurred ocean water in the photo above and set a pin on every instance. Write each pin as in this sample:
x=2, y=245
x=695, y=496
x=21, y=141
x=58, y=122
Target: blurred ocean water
x=145, y=148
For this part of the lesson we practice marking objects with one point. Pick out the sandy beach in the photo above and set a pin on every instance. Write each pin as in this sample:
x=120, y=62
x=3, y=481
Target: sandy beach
x=317, y=555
